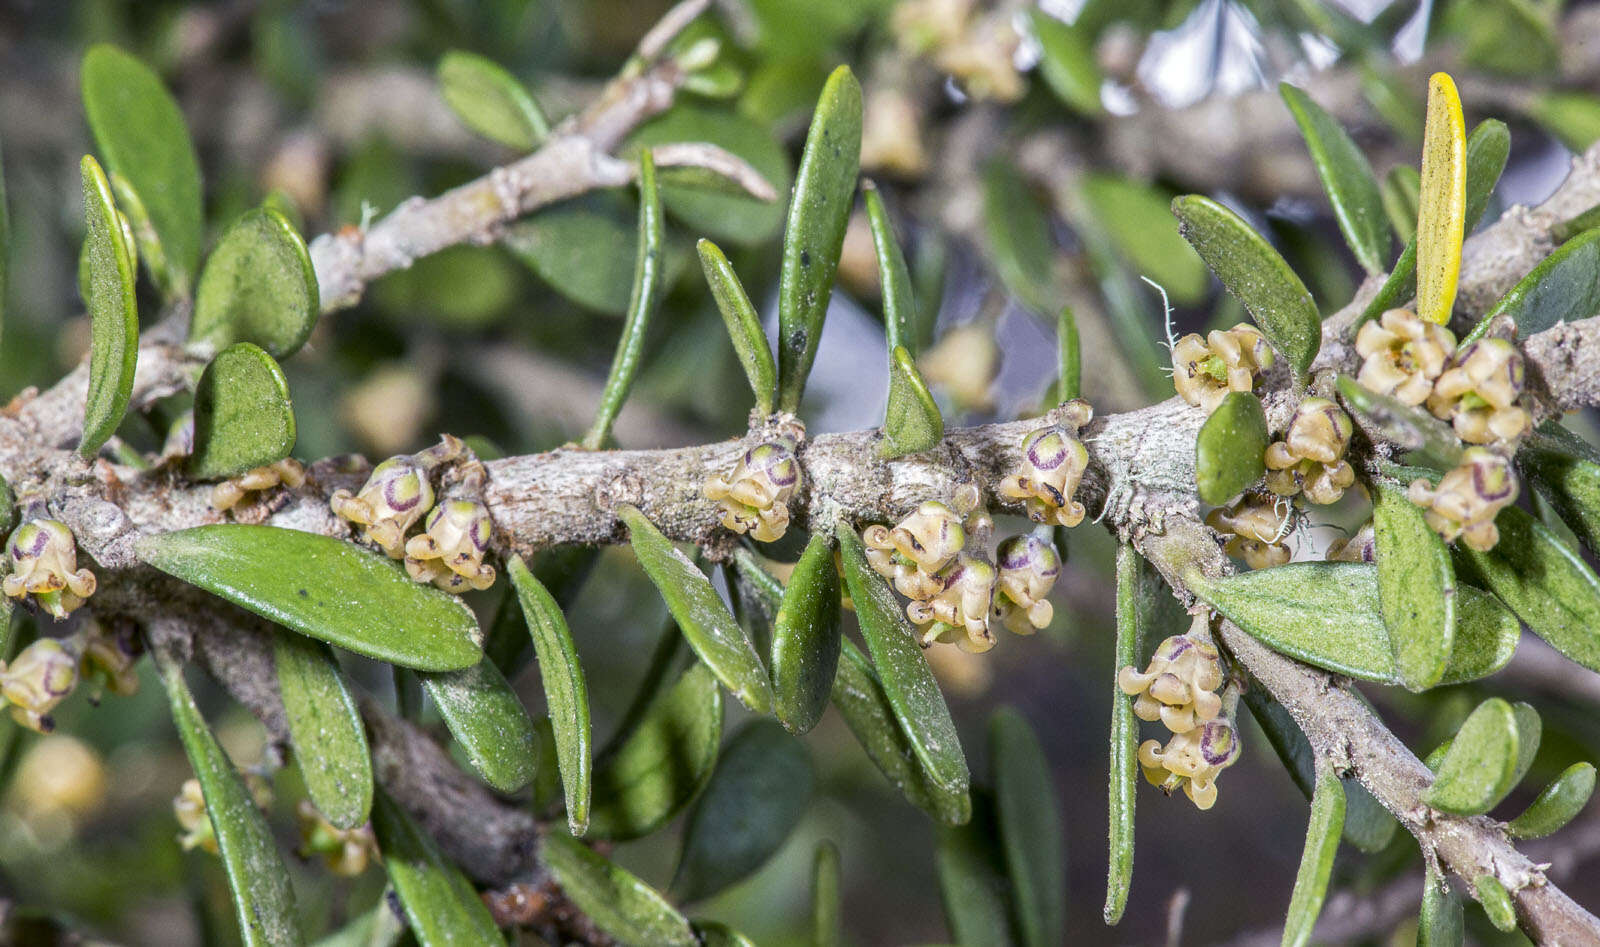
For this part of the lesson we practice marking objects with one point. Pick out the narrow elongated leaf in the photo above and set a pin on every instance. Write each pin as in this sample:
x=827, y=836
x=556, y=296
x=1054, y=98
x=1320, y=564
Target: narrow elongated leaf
x=744, y=325
x=825, y=926
x=1481, y=765
x=378, y=927
x=614, y=899
x=1442, y=208
x=1557, y=805
x=1069, y=356
x=489, y=101
x=706, y=622
x=1067, y=62
x=330, y=742
x=1123, y=783
x=648, y=278
x=1137, y=217
x=663, y=763
x=242, y=415
x=1256, y=275
x=1416, y=588
x=911, y=420
x=972, y=881
x=1441, y=923
x=1401, y=191
x=439, y=901
x=756, y=797
x=1576, y=224
x=262, y=898
x=1316, y=859
x=805, y=638
x=1496, y=902
x=1030, y=828
x=488, y=721
x=1327, y=614
x=1346, y=176
x=1229, y=451
x=907, y=681
x=1571, y=483
x=257, y=286
x=113, y=313
x=1017, y=230
x=899, y=301
x=814, y=235
x=1424, y=437
x=324, y=588
x=713, y=934
x=1564, y=287
x=566, y=693
x=1542, y=579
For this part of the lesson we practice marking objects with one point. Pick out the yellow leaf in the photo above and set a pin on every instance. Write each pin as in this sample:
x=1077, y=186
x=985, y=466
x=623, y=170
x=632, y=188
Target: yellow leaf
x=1442, y=208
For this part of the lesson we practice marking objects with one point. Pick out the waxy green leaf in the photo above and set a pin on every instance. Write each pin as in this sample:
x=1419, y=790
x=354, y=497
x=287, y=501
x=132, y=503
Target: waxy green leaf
x=713, y=934
x=1564, y=287
x=894, y=277
x=1346, y=176
x=613, y=898
x=113, y=313
x=1067, y=62
x=1570, y=481
x=721, y=211
x=1442, y=203
x=488, y=721
x=262, y=897
x=1557, y=805
x=565, y=692
x=439, y=901
x=805, y=638
x=1441, y=922
x=1413, y=429
x=490, y=101
x=812, y=240
x=1069, y=356
x=663, y=763
x=1137, y=217
x=322, y=587
x=1400, y=190
x=1316, y=859
x=242, y=415
x=706, y=622
x=744, y=324
x=760, y=789
x=1124, y=760
x=1229, y=450
x=574, y=247
x=1416, y=588
x=972, y=880
x=907, y=681
x=1030, y=828
x=911, y=420
x=825, y=918
x=330, y=742
x=1481, y=765
x=257, y=286
x=1256, y=275
x=1496, y=902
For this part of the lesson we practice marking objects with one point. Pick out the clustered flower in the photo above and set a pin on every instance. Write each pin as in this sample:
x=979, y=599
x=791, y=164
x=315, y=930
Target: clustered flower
x=449, y=552
x=189, y=808
x=1255, y=529
x=230, y=493
x=1360, y=546
x=345, y=852
x=40, y=677
x=1477, y=394
x=977, y=49
x=1192, y=760
x=911, y=554
x=1206, y=370
x=1053, y=463
x=108, y=657
x=395, y=496
x=44, y=564
x=1464, y=504
x=1029, y=565
x=1402, y=354
x=1179, y=686
x=1310, y=458
x=755, y=497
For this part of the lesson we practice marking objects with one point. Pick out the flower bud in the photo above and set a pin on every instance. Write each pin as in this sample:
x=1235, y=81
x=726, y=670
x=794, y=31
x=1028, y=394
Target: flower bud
x=1053, y=463
x=449, y=552
x=1192, y=760
x=189, y=808
x=1255, y=528
x=1478, y=393
x=40, y=677
x=230, y=493
x=1402, y=355
x=960, y=612
x=1310, y=458
x=1029, y=566
x=44, y=564
x=1179, y=685
x=394, y=497
x=1468, y=498
x=1361, y=546
x=1206, y=370
x=755, y=497
x=917, y=547
x=345, y=852
x=108, y=658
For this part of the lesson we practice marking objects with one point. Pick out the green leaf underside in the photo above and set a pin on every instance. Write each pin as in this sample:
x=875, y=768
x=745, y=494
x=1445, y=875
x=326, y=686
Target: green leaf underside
x=1123, y=782
x=1328, y=614
x=614, y=899
x=1030, y=828
x=1316, y=859
x=761, y=788
x=972, y=880
x=258, y=286
x=1571, y=484
x=565, y=244
x=1230, y=448
x=1416, y=588
x=1480, y=766
x=488, y=721
x=1441, y=922
x=744, y=324
x=806, y=637
x=262, y=898
x=814, y=234
x=1346, y=177
x=322, y=587
x=330, y=742
x=907, y=681
x=566, y=692
x=710, y=628
x=1424, y=437
x=825, y=885
x=489, y=101
x=663, y=763
x=439, y=901
x=242, y=415
x=911, y=420
x=1557, y=805
x=894, y=277
x=1564, y=287
x=113, y=313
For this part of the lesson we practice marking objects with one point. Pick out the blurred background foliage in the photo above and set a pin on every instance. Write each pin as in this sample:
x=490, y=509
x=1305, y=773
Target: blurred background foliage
x=1027, y=155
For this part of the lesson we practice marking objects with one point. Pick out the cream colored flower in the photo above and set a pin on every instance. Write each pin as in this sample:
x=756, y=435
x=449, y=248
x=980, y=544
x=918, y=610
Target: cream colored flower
x=189, y=808
x=1310, y=458
x=40, y=677
x=44, y=564
x=450, y=550
x=1053, y=464
x=395, y=496
x=1468, y=498
x=1179, y=685
x=916, y=548
x=1403, y=354
x=755, y=497
x=345, y=852
x=960, y=612
x=109, y=657
x=1360, y=546
x=1478, y=393
x=1206, y=370
x=1192, y=761
x=230, y=493
x=1029, y=565
x=1256, y=529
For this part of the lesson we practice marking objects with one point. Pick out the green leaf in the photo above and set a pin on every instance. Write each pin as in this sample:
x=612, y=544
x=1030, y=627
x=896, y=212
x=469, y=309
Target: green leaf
x=1411, y=428
x=1481, y=765
x=1496, y=902
x=713, y=934
x=257, y=286
x=1316, y=859
x=1542, y=579
x=860, y=699
x=1572, y=117
x=972, y=881
x=615, y=900
x=1069, y=356
x=1067, y=63
x=1137, y=217
x=647, y=282
x=663, y=764
x=1017, y=231
x=574, y=247
x=1442, y=203
x=706, y=622
x=1030, y=828
x=324, y=588
x=1327, y=614
x=899, y=301
x=566, y=693
x=1564, y=287
x=330, y=742
x=5, y=247
x=242, y=415
x=1557, y=805
x=744, y=324
x=760, y=789
x=737, y=218
x=113, y=313
x=1400, y=193
x=262, y=897
x=141, y=133
x=377, y=927
x=1441, y=923
x=1229, y=450
x=489, y=101
x=1576, y=224
x=1124, y=760
x=825, y=884
x=814, y=235
x=907, y=681
x=1256, y=275
x=439, y=901
x=805, y=638
x=1346, y=176
x=1416, y=588
x=911, y=421
x=488, y=721
x=1566, y=472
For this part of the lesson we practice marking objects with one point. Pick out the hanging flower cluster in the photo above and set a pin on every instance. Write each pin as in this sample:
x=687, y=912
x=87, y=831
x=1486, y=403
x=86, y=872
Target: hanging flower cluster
x=1192, y=760
x=1255, y=525
x=1468, y=498
x=1206, y=370
x=228, y=494
x=40, y=677
x=1402, y=355
x=1053, y=464
x=1029, y=565
x=44, y=565
x=1310, y=458
x=755, y=497
x=345, y=852
x=1477, y=394
x=449, y=551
